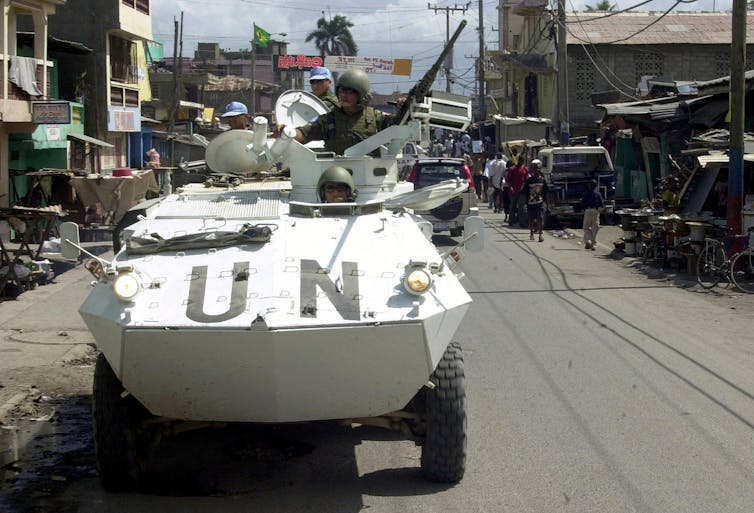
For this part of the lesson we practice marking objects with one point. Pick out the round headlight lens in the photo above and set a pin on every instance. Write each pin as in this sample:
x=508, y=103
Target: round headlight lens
x=418, y=281
x=126, y=286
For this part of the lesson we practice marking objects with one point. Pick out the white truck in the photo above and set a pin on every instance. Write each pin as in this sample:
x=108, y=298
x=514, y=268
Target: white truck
x=568, y=170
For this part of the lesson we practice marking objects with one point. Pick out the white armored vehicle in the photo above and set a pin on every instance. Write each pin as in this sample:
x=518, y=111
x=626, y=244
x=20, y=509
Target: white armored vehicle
x=255, y=301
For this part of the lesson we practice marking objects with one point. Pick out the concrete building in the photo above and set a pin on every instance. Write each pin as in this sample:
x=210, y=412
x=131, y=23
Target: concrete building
x=607, y=57
x=23, y=79
x=114, y=80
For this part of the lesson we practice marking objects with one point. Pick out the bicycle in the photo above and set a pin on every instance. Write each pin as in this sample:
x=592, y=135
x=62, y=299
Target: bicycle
x=742, y=266
x=719, y=260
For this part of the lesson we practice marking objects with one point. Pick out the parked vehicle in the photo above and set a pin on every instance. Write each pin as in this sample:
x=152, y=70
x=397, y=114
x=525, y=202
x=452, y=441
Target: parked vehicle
x=412, y=152
x=451, y=215
x=568, y=170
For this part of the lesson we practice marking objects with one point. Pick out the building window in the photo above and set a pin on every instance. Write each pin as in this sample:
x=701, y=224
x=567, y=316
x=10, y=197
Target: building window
x=123, y=60
x=584, y=78
x=139, y=5
x=123, y=97
x=648, y=65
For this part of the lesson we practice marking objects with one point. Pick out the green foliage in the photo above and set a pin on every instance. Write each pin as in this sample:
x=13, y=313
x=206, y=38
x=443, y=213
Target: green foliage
x=333, y=37
x=605, y=5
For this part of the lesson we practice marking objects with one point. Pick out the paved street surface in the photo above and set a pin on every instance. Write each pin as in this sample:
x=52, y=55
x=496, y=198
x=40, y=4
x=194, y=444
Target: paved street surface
x=594, y=385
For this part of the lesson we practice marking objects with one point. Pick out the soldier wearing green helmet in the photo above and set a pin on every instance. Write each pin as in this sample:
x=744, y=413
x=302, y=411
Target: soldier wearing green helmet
x=336, y=185
x=353, y=121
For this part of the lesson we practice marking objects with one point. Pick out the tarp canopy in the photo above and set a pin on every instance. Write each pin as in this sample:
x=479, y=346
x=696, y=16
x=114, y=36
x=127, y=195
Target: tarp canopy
x=92, y=140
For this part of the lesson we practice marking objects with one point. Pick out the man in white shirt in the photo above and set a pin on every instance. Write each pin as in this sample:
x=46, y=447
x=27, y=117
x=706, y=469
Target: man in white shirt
x=496, y=171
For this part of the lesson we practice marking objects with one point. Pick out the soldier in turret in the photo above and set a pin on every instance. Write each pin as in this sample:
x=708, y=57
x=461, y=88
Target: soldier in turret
x=353, y=121
x=320, y=80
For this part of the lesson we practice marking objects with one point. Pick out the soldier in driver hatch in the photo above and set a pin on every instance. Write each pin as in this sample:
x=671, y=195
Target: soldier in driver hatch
x=320, y=80
x=350, y=123
x=336, y=186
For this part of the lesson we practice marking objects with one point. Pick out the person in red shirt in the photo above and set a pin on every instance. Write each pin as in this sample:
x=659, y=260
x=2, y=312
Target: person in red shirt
x=515, y=179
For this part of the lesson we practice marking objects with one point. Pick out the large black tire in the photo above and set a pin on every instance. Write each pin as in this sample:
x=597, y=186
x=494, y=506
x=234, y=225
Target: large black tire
x=120, y=436
x=443, y=457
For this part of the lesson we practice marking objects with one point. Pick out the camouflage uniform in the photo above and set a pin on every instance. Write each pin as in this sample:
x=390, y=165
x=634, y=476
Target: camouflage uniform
x=340, y=130
x=330, y=100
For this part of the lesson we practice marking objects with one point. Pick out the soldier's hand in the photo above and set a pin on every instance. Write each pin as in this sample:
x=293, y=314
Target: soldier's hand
x=278, y=130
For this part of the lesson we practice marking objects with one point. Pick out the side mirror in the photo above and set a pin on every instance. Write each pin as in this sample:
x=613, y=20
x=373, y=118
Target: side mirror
x=69, y=241
x=473, y=227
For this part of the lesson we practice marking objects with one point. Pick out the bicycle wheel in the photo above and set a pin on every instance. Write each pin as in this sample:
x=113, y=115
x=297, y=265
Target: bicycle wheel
x=742, y=271
x=709, y=266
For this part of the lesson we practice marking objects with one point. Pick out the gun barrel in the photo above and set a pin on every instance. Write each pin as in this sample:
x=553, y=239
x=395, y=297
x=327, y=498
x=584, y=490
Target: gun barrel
x=422, y=87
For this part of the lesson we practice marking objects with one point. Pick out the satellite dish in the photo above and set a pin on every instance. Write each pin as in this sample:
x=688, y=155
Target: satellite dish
x=296, y=108
x=227, y=153
x=429, y=197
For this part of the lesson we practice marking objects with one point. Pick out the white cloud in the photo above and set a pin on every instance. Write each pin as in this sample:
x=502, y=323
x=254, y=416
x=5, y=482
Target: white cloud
x=399, y=29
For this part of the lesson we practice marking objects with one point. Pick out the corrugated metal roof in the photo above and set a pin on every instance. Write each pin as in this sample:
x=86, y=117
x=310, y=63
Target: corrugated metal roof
x=673, y=28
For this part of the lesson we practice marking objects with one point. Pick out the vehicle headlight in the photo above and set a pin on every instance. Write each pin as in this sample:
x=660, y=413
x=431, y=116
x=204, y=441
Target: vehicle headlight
x=417, y=281
x=126, y=286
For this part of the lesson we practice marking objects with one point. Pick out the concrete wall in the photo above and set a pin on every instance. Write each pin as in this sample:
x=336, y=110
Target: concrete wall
x=621, y=67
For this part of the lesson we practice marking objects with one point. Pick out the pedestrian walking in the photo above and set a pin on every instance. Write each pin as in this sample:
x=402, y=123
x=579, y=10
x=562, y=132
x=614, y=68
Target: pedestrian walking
x=496, y=174
x=535, y=192
x=517, y=175
x=591, y=203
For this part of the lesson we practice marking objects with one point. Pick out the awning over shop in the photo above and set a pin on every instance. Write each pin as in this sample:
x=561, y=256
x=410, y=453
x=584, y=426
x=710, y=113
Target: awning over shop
x=92, y=140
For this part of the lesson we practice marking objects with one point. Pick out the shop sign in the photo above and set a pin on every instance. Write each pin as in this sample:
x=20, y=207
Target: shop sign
x=51, y=113
x=377, y=65
x=298, y=62
x=52, y=133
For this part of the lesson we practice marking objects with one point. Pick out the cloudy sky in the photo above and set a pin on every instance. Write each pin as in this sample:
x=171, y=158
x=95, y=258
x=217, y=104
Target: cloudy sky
x=390, y=29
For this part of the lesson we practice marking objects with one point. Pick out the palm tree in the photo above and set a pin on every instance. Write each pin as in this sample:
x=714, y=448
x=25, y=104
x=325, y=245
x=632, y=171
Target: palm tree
x=333, y=37
x=602, y=5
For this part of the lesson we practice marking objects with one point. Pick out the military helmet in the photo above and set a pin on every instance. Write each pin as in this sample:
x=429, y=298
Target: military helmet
x=336, y=174
x=357, y=80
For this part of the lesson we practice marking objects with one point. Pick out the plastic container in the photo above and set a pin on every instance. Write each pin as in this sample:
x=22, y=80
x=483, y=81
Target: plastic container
x=123, y=171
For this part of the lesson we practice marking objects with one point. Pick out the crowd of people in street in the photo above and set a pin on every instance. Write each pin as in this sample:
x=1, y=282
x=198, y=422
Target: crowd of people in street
x=519, y=192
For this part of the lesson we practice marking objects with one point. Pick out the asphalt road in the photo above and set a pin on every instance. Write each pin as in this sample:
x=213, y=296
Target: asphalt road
x=592, y=387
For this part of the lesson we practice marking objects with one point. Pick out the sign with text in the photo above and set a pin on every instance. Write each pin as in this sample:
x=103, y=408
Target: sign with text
x=379, y=65
x=340, y=63
x=298, y=62
x=51, y=113
x=124, y=119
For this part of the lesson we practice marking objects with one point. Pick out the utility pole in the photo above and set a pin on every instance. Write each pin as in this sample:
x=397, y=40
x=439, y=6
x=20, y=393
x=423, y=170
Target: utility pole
x=480, y=70
x=175, y=75
x=449, y=61
x=737, y=109
x=561, y=115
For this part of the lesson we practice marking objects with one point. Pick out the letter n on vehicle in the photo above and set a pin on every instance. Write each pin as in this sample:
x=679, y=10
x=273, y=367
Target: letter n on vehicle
x=343, y=293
